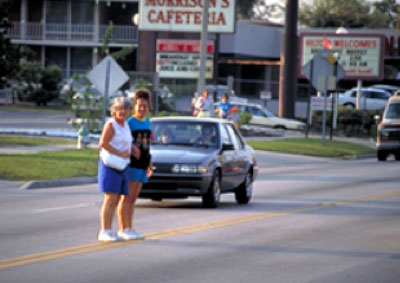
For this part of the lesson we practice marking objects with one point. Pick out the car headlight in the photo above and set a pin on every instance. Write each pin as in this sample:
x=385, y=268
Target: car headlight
x=384, y=134
x=189, y=169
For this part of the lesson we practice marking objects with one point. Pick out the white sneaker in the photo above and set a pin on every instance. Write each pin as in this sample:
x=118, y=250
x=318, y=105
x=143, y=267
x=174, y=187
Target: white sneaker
x=138, y=235
x=127, y=235
x=107, y=236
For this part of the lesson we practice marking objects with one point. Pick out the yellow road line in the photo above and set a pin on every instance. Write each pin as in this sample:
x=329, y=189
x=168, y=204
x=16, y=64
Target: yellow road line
x=98, y=246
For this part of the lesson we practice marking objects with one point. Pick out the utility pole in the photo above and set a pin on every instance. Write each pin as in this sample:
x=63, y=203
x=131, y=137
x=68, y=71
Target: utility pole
x=288, y=69
x=203, y=52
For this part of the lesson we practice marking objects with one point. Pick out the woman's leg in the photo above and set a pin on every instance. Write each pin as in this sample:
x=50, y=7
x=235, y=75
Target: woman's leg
x=107, y=210
x=134, y=190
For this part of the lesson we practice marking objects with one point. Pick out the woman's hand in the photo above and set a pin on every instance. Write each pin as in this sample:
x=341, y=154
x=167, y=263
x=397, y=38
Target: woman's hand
x=126, y=154
x=150, y=171
x=135, y=151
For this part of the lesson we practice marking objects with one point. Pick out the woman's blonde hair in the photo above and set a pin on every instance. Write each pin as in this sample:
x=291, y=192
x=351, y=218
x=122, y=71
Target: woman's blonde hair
x=119, y=102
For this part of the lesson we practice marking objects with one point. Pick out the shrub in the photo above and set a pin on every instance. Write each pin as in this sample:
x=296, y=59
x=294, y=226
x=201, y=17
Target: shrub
x=350, y=122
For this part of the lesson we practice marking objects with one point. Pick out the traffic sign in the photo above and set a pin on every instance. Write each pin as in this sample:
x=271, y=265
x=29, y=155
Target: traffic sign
x=320, y=66
x=117, y=76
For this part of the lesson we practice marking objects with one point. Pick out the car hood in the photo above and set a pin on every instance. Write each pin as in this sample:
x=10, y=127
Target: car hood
x=391, y=122
x=180, y=154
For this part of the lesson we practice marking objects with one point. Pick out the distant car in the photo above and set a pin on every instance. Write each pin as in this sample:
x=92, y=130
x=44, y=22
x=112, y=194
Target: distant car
x=265, y=118
x=371, y=98
x=202, y=157
x=388, y=134
x=389, y=88
x=216, y=91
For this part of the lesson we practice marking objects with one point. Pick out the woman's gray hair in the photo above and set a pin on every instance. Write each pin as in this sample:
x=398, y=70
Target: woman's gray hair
x=119, y=102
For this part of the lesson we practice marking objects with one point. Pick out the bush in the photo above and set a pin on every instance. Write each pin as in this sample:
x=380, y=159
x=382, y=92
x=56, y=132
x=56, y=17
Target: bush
x=36, y=84
x=245, y=118
x=350, y=122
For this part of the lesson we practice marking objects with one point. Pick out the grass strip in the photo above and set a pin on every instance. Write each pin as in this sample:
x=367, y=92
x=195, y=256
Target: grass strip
x=313, y=147
x=49, y=165
x=9, y=140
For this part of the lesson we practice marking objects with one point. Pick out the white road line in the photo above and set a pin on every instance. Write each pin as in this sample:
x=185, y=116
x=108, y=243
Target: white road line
x=79, y=205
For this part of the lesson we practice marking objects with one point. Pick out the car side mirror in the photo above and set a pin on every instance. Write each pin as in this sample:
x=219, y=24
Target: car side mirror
x=226, y=146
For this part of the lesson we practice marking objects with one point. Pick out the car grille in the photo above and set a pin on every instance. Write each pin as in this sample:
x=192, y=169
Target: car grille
x=394, y=133
x=162, y=167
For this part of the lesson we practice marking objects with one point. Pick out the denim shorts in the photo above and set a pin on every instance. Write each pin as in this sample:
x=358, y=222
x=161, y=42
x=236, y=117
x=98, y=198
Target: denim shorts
x=137, y=175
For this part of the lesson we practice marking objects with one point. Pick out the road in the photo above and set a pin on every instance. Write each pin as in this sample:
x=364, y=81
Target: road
x=310, y=220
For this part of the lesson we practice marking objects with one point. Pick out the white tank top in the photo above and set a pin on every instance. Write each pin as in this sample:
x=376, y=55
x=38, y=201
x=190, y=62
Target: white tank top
x=122, y=139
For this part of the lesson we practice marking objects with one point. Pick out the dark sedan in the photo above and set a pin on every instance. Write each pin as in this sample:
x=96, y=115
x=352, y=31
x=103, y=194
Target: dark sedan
x=199, y=157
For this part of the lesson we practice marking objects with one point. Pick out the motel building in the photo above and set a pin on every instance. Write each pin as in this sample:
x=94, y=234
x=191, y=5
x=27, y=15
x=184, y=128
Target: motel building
x=166, y=37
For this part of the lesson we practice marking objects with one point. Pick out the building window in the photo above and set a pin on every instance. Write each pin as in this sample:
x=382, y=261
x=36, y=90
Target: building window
x=82, y=12
x=81, y=60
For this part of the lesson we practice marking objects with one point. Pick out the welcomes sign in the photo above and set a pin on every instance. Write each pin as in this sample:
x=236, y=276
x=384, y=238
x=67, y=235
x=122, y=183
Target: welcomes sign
x=361, y=56
x=186, y=15
x=181, y=58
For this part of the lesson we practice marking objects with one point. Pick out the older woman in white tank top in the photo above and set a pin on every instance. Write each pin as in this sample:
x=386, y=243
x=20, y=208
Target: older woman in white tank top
x=116, y=138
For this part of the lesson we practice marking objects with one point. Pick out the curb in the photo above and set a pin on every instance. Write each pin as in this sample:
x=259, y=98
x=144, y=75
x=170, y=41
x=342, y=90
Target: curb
x=58, y=183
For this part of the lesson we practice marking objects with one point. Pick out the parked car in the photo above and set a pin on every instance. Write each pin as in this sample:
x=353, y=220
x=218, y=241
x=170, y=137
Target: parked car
x=389, y=88
x=265, y=118
x=202, y=157
x=371, y=98
x=388, y=134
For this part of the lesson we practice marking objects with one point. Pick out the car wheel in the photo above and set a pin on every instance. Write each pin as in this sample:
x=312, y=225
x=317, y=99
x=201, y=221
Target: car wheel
x=244, y=192
x=381, y=155
x=213, y=195
x=397, y=156
x=349, y=105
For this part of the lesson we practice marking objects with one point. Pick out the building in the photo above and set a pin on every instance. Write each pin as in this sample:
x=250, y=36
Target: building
x=70, y=33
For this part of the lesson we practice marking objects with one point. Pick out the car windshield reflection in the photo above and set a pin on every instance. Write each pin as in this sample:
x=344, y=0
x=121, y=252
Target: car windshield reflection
x=197, y=134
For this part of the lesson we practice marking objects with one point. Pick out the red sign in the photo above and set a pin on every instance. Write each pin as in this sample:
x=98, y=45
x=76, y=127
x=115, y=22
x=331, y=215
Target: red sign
x=190, y=46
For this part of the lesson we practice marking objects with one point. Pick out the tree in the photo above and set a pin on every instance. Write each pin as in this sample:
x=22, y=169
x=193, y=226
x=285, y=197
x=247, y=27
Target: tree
x=341, y=13
x=271, y=10
x=244, y=8
x=9, y=54
x=391, y=9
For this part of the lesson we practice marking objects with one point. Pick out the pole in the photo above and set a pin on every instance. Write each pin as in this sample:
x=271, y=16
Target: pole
x=288, y=72
x=332, y=98
x=107, y=86
x=203, y=51
x=309, y=98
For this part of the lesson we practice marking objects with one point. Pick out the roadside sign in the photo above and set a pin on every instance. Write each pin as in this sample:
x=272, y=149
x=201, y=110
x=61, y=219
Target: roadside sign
x=117, y=76
x=265, y=94
x=317, y=103
x=361, y=55
x=320, y=68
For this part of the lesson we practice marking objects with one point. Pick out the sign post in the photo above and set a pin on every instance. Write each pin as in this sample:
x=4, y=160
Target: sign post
x=325, y=80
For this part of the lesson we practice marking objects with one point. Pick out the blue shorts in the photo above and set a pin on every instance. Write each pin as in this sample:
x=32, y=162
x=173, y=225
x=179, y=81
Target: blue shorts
x=112, y=181
x=137, y=175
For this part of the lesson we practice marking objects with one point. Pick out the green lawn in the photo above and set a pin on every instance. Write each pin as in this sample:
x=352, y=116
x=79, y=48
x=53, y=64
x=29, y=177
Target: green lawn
x=8, y=140
x=77, y=163
x=313, y=146
x=49, y=165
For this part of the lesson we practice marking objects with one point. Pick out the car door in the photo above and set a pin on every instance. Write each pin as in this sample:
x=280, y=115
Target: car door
x=239, y=165
x=259, y=118
x=228, y=160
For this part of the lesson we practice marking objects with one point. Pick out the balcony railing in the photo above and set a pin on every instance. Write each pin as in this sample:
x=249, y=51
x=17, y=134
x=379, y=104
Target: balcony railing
x=72, y=32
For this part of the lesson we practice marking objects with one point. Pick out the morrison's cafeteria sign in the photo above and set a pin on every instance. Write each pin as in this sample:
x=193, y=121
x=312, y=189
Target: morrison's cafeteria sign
x=361, y=55
x=186, y=15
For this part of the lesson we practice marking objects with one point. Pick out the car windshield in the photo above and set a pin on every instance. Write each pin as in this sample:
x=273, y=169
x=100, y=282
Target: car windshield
x=186, y=133
x=393, y=111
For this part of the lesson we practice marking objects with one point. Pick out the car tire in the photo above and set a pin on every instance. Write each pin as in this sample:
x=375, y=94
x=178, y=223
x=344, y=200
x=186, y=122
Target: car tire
x=213, y=195
x=349, y=105
x=397, y=156
x=244, y=192
x=381, y=155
